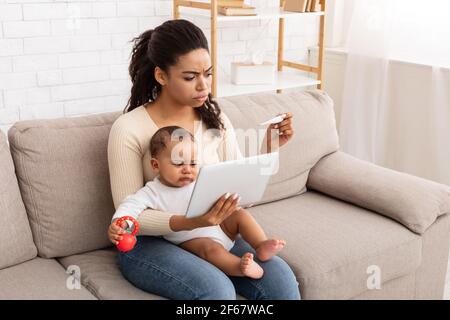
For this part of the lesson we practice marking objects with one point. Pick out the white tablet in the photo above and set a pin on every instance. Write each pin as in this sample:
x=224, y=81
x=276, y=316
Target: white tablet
x=247, y=177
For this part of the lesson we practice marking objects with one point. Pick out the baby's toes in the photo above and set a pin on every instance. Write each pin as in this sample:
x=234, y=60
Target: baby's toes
x=280, y=244
x=247, y=257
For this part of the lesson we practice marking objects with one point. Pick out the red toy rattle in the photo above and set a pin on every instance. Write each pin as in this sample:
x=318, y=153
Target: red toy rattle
x=128, y=238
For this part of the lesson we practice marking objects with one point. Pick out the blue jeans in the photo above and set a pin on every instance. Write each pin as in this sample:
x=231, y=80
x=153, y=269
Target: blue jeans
x=160, y=267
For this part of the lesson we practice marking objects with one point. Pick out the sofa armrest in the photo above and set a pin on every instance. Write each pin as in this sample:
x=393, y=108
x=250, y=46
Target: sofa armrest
x=414, y=202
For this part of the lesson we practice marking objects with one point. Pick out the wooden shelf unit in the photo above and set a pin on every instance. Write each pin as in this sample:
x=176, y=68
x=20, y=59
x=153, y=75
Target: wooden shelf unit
x=283, y=81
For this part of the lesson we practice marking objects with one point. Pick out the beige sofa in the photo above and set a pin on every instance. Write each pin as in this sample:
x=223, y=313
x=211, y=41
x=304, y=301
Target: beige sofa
x=354, y=230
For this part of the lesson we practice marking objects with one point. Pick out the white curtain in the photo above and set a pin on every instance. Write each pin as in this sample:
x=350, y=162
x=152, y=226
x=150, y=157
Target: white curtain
x=396, y=99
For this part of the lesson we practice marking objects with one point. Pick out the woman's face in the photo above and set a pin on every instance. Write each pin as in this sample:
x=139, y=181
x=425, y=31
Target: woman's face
x=189, y=81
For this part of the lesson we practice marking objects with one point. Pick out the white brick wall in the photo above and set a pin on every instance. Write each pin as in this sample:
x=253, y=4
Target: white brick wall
x=70, y=57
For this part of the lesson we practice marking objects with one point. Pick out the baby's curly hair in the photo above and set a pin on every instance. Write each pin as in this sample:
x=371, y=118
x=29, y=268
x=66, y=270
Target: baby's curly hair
x=164, y=135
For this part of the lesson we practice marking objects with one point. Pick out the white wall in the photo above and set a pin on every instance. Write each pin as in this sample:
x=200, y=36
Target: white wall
x=333, y=75
x=416, y=128
x=69, y=57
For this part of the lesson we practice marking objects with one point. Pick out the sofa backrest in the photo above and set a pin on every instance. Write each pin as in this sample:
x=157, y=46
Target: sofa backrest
x=62, y=169
x=62, y=165
x=16, y=241
x=315, y=133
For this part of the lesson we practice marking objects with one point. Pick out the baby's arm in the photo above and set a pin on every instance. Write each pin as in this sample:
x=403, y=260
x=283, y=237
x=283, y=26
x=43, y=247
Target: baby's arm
x=133, y=205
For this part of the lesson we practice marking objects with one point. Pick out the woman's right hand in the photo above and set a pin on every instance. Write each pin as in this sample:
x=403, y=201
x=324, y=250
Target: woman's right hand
x=115, y=232
x=222, y=209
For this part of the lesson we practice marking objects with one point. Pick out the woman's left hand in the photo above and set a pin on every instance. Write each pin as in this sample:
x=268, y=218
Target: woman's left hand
x=283, y=132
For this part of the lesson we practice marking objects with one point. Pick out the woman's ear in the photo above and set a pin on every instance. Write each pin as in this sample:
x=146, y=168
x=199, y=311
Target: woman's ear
x=155, y=165
x=160, y=76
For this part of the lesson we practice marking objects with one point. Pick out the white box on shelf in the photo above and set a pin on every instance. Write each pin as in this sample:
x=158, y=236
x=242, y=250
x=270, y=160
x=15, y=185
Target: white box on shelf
x=251, y=73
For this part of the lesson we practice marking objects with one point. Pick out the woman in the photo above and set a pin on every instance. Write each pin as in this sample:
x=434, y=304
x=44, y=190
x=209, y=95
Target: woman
x=171, y=71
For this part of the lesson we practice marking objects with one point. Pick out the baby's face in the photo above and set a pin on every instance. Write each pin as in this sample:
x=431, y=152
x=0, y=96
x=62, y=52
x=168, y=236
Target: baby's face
x=177, y=164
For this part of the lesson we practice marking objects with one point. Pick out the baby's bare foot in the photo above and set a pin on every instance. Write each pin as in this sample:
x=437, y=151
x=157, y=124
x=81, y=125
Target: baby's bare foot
x=250, y=268
x=269, y=248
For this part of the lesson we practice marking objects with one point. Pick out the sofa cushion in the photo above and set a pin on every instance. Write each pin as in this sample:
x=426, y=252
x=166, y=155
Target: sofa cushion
x=332, y=245
x=413, y=201
x=100, y=273
x=16, y=241
x=40, y=279
x=63, y=175
x=315, y=133
x=329, y=255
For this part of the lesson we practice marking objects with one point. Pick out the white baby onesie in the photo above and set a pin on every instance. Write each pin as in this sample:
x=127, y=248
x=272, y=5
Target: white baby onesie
x=158, y=196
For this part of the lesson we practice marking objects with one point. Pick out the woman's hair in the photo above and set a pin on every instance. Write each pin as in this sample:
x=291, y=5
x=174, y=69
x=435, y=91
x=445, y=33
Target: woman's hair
x=162, y=47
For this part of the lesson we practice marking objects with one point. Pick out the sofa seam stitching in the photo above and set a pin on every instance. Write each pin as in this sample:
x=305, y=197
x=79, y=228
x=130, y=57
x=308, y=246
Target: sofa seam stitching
x=39, y=238
x=22, y=130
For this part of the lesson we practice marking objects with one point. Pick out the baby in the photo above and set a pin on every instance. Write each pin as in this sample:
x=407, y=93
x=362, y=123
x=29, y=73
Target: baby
x=173, y=159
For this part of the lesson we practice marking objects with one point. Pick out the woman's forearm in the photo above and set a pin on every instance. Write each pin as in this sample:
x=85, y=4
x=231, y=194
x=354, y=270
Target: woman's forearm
x=154, y=223
x=181, y=223
x=159, y=223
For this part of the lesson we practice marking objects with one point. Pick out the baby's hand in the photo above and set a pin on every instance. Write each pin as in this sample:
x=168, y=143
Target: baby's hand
x=115, y=232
